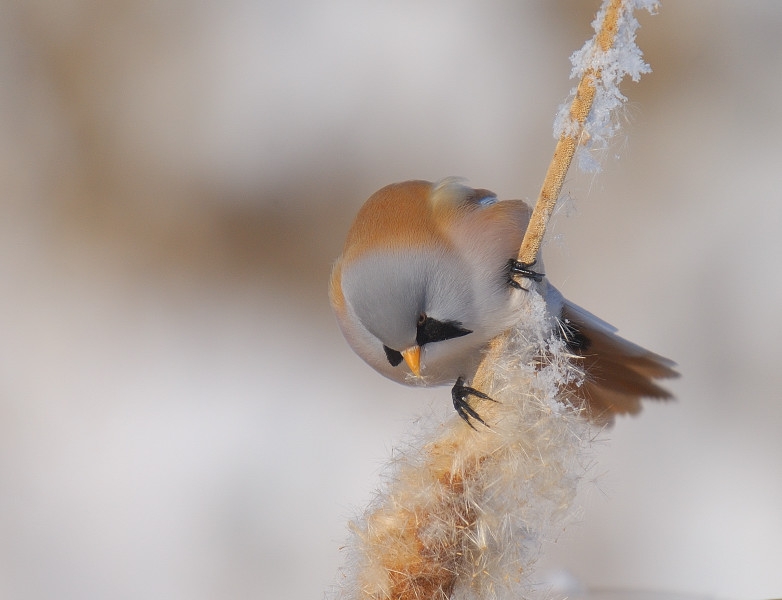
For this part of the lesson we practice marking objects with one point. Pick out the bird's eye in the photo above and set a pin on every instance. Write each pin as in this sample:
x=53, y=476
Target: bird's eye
x=431, y=330
x=421, y=319
x=394, y=357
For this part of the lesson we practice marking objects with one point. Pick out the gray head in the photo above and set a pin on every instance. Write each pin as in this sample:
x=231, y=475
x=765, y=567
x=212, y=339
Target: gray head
x=414, y=299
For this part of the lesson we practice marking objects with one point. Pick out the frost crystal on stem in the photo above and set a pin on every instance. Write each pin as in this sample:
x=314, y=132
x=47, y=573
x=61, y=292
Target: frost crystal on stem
x=607, y=66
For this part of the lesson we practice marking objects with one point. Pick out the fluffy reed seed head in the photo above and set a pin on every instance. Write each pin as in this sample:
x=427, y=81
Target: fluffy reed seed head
x=466, y=514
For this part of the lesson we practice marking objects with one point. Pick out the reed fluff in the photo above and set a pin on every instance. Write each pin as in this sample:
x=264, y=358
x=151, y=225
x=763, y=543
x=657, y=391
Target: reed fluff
x=464, y=515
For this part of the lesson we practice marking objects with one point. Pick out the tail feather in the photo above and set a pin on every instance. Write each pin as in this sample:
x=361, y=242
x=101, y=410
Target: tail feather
x=618, y=373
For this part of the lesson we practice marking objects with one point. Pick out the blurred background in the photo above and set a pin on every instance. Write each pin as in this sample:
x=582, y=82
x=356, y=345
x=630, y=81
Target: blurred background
x=180, y=417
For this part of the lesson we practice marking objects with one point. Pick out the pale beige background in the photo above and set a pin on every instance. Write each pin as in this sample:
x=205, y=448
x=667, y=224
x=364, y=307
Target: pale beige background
x=179, y=415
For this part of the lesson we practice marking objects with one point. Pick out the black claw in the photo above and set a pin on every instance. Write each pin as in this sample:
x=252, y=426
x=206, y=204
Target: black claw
x=516, y=267
x=460, y=393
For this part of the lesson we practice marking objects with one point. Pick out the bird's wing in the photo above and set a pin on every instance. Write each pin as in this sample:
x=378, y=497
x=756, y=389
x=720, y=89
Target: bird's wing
x=618, y=373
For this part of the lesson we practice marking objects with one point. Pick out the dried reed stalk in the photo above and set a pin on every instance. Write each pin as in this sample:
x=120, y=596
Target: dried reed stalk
x=568, y=143
x=464, y=515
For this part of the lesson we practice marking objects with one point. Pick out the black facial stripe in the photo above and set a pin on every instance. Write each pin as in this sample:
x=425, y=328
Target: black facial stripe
x=394, y=357
x=432, y=330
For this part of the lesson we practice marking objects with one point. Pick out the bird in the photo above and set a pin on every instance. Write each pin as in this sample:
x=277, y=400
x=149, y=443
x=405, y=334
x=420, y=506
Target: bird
x=428, y=276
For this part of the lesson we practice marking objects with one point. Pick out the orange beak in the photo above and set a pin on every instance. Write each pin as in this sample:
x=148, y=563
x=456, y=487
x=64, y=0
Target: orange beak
x=412, y=357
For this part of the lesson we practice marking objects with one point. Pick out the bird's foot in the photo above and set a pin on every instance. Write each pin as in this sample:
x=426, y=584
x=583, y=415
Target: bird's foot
x=460, y=393
x=516, y=267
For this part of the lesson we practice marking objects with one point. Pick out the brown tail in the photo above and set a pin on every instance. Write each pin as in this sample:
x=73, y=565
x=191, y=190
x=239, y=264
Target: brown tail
x=618, y=373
